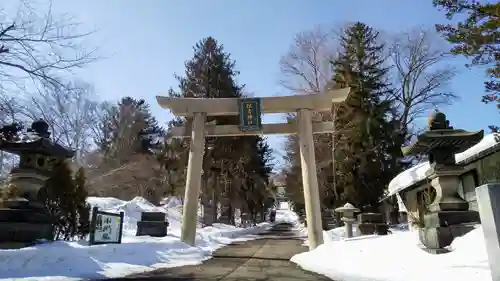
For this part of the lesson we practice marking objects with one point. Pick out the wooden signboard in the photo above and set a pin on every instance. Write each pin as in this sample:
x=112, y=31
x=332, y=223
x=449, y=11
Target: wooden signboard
x=105, y=227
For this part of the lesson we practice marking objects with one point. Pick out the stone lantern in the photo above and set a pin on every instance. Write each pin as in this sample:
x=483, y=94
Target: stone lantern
x=447, y=213
x=347, y=212
x=22, y=218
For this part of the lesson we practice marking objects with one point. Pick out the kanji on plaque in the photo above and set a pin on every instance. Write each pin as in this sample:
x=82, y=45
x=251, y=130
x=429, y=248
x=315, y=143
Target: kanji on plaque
x=250, y=114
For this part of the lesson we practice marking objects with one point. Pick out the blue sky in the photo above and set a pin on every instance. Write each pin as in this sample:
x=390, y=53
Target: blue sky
x=146, y=42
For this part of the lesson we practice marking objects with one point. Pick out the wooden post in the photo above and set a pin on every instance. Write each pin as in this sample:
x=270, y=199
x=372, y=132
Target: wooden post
x=309, y=179
x=193, y=179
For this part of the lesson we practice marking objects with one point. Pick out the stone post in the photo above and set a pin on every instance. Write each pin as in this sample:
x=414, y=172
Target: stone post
x=193, y=179
x=488, y=199
x=309, y=179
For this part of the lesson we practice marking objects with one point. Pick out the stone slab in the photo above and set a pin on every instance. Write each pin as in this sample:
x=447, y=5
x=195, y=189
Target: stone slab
x=25, y=232
x=373, y=228
x=153, y=216
x=371, y=218
x=447, y=218
x=488, y=199
x=23, y=215
x=440, y=237
x=152, y=228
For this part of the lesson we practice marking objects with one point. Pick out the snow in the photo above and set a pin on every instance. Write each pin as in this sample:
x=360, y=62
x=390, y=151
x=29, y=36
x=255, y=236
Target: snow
x=417, y=173
x=408, y=177
x=76, y=260
x=396, y=257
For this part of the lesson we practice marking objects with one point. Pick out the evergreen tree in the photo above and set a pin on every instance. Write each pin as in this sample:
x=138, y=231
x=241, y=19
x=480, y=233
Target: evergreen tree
x=126, y=165
x=132, y=130
x=65, y=200
x=477, y=37
x=367, y=150
x=81, y=205
x=211, y=74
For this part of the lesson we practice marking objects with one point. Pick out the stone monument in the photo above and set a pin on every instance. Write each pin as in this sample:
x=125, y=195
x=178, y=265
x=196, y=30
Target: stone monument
x=448, y=216
x=23, y=219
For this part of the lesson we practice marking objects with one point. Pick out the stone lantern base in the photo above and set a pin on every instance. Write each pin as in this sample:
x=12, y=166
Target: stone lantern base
x=23, y=224
x=441, y=227
x=449, y=216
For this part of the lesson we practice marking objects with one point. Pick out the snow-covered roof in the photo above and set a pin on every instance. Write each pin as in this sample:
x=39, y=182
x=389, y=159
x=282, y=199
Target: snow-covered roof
x=417, y=173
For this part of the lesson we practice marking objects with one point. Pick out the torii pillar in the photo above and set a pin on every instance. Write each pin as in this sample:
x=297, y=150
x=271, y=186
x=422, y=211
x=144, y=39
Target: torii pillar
x=303, y=105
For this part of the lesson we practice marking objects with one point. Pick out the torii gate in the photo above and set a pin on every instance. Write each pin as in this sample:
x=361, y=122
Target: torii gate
x=249, y=111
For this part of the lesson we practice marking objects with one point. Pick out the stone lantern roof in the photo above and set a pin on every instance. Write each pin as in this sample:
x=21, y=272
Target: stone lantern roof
x=441, y=141
x=36, y=140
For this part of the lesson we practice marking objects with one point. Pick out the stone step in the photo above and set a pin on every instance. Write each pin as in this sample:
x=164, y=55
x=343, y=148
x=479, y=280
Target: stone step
x=23, y=216
x=25, y=232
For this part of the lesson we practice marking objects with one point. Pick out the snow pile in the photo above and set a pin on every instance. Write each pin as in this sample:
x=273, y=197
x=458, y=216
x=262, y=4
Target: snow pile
x=417, y=173
x=76, y=260
x=396, y=257
x=289, y=216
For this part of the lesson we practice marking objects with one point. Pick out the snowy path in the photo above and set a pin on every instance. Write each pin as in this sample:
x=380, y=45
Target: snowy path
x=267, y=258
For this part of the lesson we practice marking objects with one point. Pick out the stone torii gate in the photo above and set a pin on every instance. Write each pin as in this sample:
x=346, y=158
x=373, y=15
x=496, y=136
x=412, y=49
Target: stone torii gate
x=249, y=111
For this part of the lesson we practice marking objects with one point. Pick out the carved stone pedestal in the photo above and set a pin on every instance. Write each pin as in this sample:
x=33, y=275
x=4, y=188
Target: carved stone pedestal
x=448, y=216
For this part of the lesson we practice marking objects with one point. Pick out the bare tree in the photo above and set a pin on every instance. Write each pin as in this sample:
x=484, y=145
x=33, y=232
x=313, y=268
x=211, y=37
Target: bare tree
x=421, y=73
x=10, y=112
x=306, y=67
x=142, y=176
x=37, y=48
x=71, y=112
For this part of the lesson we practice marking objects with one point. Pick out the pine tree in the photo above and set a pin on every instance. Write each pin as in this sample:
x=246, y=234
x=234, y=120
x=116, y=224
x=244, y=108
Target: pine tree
x=477, y=37
x=127, y=166
x=133, y=130
x=367, y=150
x=211, y=74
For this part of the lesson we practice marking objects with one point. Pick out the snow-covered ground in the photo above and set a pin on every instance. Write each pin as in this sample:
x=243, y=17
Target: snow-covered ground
x=394, y=257
x=76, y=260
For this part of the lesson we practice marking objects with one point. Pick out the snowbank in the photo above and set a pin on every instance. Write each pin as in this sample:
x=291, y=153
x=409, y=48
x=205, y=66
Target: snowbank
x=76, y=260
x=417, y=173
x=288, y=216
x=396, y=257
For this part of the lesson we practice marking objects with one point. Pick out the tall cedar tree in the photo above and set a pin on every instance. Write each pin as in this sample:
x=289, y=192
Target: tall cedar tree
x=211, y=74
x=132, y=129
x=366, y=153
x=476, y=37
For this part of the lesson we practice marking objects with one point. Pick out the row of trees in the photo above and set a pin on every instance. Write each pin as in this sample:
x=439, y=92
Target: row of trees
x=393, y=84
x=235, y=169
x=137, y=157
x=126, y=153
x=124, y=150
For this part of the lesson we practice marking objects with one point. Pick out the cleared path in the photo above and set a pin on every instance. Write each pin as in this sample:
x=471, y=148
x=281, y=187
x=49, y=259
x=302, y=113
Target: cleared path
x=265, y=259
